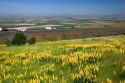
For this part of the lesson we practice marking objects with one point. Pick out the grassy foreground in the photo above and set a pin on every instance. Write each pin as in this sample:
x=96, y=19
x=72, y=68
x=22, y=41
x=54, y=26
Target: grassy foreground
x=91, y=60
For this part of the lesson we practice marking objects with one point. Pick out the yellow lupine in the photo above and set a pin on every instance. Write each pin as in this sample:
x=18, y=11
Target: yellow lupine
x=34, y=81
x=0, y=81
x=89, y=73
x=2, y=45
x=122, y=81
x=47, y=68
x=7, y=76
x=5, y=68
x=43, y=55
x=123, y=68
x=26, y=61
x=76, y=59
x=109, y=80
x=20, y=76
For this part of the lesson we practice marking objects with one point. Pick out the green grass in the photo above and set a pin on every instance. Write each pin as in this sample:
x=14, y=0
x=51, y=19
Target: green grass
x=111, y=61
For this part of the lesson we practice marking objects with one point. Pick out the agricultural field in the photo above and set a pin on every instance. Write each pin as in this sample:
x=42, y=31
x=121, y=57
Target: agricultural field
x=63, y=22
x=88, y=60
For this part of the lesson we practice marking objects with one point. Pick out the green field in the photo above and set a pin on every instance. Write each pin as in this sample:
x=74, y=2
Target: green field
x=63, y=23
x=90, y=60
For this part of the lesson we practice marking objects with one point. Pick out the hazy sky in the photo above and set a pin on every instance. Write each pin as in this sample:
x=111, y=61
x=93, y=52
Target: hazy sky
x=62, y=7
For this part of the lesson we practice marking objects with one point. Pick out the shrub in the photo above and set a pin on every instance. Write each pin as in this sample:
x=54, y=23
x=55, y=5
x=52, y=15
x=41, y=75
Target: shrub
x=19, y=39
x=123, y=33
x=8, y=42
x=32, y=40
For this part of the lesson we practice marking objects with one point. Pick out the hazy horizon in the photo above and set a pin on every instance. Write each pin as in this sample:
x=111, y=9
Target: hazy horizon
x=61, y=7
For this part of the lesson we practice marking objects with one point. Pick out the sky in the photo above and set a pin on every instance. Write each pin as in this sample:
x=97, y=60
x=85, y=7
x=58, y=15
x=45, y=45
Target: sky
x=62, y=7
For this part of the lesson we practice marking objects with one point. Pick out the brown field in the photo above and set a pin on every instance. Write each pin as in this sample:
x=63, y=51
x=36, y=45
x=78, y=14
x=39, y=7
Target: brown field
x=50, y=35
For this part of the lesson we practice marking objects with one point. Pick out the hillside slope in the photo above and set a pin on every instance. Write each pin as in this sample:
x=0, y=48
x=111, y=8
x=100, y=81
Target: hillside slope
x=90, y=60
